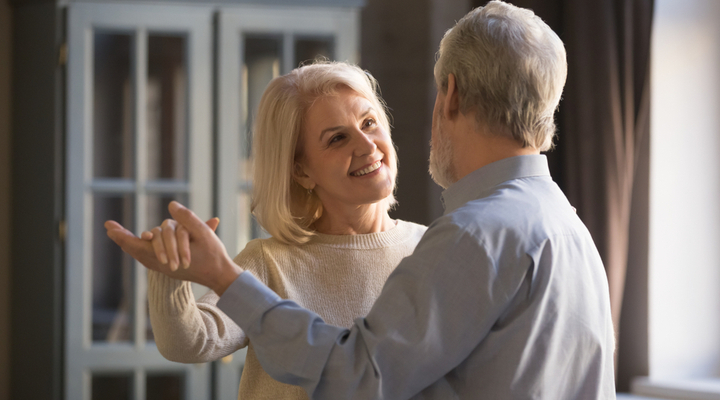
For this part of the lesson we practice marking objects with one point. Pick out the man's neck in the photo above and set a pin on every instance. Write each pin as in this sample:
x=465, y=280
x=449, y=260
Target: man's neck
x=476, y=148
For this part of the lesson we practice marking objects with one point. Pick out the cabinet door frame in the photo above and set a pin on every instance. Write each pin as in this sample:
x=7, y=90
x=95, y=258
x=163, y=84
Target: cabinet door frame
x=343, y=24
x=195, y=23
x=234, y=22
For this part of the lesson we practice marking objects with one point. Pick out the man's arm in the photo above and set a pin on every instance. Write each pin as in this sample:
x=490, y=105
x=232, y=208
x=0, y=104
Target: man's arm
x=435, y=308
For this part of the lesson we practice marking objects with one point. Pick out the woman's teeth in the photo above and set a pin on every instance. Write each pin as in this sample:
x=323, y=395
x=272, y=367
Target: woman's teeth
x=368, y=170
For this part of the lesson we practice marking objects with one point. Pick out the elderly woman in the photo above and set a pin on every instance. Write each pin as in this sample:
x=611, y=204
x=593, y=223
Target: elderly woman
x=325, y=169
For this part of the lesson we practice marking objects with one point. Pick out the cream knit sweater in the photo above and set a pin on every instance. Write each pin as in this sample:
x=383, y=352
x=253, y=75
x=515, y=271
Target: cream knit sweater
x=337, y=276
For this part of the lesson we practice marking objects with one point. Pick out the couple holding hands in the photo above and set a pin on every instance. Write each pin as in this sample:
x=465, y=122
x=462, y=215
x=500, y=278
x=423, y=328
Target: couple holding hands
x=503, y=297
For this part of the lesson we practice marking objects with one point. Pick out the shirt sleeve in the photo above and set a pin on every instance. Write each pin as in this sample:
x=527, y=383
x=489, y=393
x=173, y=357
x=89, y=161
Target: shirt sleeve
x=435, y=308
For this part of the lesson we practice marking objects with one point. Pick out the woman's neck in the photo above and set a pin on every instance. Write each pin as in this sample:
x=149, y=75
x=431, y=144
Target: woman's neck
x=354, y=220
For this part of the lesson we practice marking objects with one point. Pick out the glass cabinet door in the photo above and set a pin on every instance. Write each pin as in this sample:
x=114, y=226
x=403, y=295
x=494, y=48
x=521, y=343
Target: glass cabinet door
x=139, y=135
x=255, y=45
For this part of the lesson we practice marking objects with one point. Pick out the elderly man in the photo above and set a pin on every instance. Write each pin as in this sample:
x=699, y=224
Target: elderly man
x=505, y=297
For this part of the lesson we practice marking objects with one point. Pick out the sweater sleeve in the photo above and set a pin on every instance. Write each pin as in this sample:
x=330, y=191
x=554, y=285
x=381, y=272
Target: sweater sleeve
x=191, y=331
x=188, y=331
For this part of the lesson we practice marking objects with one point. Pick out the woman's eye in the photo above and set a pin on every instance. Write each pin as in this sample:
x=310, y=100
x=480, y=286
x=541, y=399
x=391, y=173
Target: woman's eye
x=336, y=138
x=370, y=122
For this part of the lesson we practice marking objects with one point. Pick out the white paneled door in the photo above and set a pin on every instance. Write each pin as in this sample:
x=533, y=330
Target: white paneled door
x=255, y=45
x=139, y=135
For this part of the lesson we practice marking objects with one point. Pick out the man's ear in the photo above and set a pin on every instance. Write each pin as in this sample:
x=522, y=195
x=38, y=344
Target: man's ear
x=298, y=173
x=451, y=105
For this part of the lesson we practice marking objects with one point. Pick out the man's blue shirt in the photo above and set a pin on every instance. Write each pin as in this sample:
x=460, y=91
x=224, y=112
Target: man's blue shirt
x=505, y=297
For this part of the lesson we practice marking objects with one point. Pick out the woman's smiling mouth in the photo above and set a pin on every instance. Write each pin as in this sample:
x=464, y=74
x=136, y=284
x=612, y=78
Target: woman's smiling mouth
x=374, y=166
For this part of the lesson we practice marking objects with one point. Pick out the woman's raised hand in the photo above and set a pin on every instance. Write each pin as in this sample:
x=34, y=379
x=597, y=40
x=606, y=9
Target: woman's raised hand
x=171, y=242
x=211, y=265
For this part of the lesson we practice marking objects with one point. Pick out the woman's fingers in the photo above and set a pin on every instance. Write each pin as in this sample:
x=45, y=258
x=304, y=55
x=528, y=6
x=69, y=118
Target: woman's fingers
x=171, y=242
x=213, y=223
x=183, y=241
x=158, y=245
x=139, y=249
x=169, y=227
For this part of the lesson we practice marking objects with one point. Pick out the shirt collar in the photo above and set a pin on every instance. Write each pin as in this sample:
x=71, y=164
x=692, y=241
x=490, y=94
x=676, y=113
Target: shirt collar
x=475, y=184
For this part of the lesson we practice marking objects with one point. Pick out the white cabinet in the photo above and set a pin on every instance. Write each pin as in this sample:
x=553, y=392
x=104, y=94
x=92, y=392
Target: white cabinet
x=159, y=107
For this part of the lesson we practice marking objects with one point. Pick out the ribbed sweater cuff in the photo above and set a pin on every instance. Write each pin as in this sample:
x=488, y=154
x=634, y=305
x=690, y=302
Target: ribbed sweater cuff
x=168, y=296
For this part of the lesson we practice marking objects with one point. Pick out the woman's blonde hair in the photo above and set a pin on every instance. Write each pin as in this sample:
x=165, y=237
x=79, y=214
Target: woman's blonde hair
x=284, y=208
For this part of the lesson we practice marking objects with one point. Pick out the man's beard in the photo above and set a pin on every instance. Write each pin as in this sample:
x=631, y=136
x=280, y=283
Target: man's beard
x=441, y=157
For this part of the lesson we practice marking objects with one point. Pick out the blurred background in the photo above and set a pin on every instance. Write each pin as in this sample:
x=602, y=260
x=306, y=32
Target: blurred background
x=111, y=109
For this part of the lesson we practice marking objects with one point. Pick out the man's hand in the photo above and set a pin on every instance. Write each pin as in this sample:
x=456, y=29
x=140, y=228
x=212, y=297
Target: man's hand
x=210, y=264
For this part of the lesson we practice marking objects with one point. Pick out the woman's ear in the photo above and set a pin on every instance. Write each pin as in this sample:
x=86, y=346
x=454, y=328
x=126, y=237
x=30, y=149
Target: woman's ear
x=298, y=173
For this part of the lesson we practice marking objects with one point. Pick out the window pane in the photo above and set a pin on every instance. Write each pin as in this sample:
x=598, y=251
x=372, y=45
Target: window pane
x=112, y=273
x=111, y=386
x=307, y=49
x=157, y=212
x=167, y=108
x=113, y=132
x=263, y=55
x=164, y=387
x=157, y=207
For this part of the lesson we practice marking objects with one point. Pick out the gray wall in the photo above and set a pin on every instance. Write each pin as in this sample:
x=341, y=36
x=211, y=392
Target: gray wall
x=5, y=62
x=37, y=150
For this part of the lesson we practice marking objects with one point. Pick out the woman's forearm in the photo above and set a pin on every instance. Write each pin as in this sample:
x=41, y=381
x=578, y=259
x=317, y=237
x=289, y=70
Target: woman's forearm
x=188, y=331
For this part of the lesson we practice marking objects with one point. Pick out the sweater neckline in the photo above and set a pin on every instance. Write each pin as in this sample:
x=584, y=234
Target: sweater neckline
x=393, y=236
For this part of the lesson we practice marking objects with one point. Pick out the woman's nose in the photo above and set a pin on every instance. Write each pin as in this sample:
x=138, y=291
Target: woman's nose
x=364, y=145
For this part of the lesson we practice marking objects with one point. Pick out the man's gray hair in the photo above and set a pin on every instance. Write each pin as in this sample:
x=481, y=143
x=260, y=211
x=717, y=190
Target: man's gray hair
x=509, y=67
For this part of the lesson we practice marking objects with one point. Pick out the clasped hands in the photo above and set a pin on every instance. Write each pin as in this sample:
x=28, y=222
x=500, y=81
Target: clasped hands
x=186, y=248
